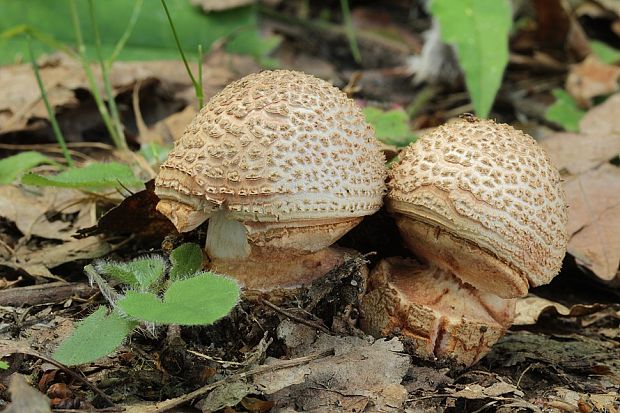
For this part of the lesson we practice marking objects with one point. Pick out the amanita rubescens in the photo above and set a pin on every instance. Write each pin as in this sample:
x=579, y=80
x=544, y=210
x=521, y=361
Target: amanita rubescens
x=282, y=164
x=482, y=208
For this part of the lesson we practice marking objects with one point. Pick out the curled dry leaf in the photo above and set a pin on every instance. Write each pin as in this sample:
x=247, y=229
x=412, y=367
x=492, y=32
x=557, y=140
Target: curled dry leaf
x=530, y=308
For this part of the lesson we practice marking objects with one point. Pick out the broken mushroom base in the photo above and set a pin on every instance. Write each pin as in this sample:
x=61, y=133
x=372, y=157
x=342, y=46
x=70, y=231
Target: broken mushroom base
x=444, y=318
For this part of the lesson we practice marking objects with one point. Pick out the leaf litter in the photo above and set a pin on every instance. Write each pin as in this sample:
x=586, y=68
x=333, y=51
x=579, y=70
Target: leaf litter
x=265, y=357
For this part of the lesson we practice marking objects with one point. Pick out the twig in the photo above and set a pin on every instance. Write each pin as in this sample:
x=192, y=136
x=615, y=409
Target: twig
x=169, y=404
x=294, y=317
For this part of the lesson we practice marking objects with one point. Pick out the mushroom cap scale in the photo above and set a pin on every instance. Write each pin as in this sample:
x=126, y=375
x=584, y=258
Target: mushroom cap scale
x=276, y=146
x=488, y=185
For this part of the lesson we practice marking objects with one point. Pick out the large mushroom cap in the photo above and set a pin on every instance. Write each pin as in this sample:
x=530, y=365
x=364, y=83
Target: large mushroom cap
x=482, y=200
x=275, y=146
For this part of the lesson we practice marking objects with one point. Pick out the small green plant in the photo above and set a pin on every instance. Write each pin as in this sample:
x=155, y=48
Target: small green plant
x=13, y=167
x=564, y=111
x=95, y=176
x=479, y=31
x=391, y=126
x=4, y=365
x=187, y=296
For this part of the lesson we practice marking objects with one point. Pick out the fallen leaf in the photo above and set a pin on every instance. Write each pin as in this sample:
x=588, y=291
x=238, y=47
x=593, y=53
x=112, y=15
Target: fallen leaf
x=28, y=210
x=577, y=153
x=219, y=5
x=529, y=309
x=37, y=262
x=25, y=398
x=603, y=119
x=594, y=220
x=349, y=378
x=592, y=78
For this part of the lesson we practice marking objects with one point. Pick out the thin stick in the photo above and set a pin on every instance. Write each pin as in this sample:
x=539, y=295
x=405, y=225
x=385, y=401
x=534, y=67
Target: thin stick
x=169, y=404
x=294, y=317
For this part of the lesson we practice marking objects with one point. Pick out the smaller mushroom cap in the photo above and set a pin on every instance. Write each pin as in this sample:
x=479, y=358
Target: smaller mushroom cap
x=482, y=200
x=276, y=146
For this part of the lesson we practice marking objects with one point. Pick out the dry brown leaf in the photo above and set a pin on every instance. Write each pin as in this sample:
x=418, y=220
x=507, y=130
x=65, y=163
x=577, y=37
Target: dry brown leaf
x=349, y=378
x=24, y=398
x=592, y=78
x=219, y=5
x=594, y=220
x=530, y=308
x=38, y=262
x=28, y=211
x=20, y=99
x=603, y=119
x=577, y=153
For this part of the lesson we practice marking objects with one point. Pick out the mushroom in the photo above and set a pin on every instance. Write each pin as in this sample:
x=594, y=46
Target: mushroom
x=282, y=164
x=483, y=209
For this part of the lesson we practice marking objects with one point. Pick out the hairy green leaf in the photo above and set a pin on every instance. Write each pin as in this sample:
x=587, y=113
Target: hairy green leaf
x=151, y=38
x=140, y=273
x=202, y=299
x=94, y=176
x=564, y=111
x=605, y=53
x=186, y=260
x=16, y=165
x=96, y=336
x=479, y=31
x=391, y=126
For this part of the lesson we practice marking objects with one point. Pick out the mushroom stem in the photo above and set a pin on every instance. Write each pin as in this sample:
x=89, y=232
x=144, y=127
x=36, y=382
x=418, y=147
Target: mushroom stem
x=279, y=269
x=442, y=316
x=226, y=238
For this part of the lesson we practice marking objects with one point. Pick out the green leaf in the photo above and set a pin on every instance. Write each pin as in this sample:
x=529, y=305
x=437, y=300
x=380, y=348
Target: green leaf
x=391, y=127
x=186, y=260
x=564, y=111
x=154, y=153
x=94, y=176
x=4, y=365
x=202, y=299
x=479, y=30
x=140, y=273
x=16, y=165
x=605, y=53
x=151, y=38
x=96, y=336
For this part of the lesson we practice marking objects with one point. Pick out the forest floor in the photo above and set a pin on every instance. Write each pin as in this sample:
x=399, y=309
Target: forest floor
x=300, y=354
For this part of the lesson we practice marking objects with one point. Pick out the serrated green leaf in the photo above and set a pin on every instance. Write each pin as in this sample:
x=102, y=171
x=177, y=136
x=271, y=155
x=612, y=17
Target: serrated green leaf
x=202, y=299
x=96, y=336
x=186, y=260
x=391, y=126
x=94, y=176
x=479, y=31
x=16, y=165
x=605, y=53
x=151, y=38
x=141, y=273
x=564, y=111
